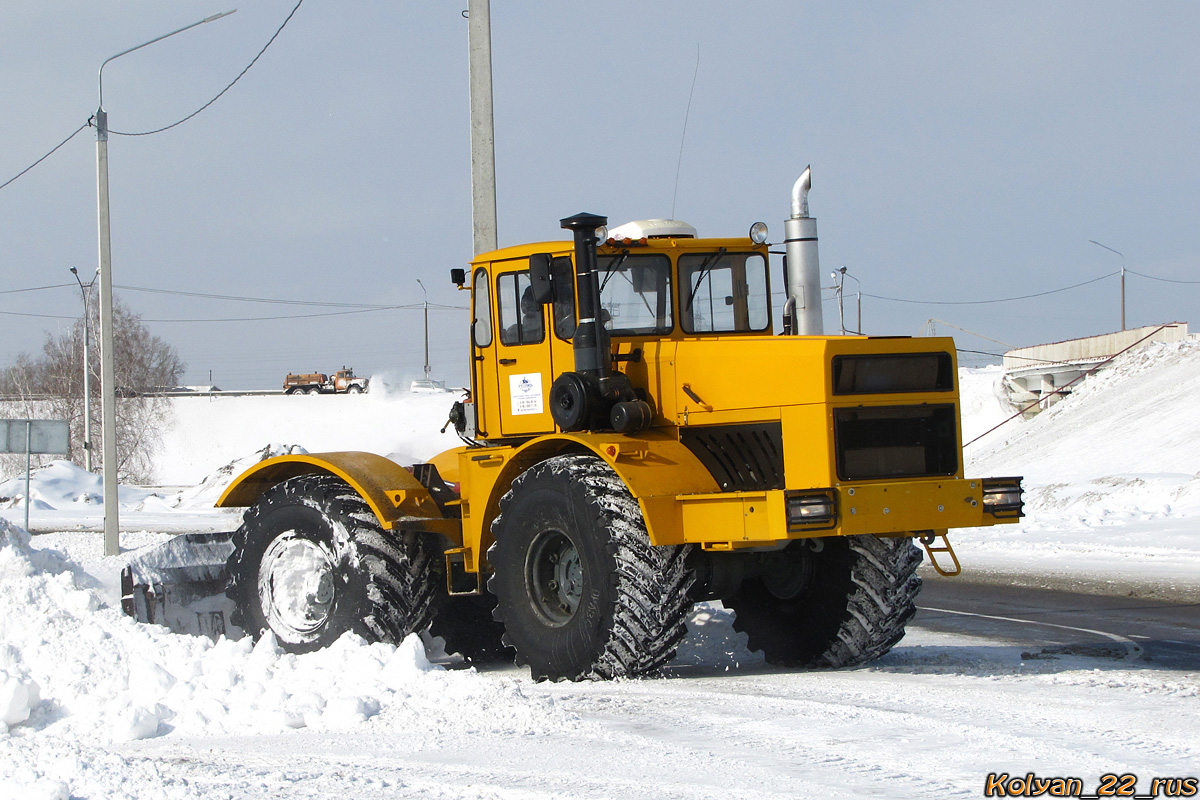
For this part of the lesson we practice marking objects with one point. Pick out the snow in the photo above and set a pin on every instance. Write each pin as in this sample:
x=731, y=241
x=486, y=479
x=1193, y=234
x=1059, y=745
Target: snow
x=1112, y=478
x=94, y=705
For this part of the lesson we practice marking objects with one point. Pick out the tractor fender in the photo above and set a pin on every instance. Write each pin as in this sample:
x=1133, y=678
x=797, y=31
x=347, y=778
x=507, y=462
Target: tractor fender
x=397, y=499
x=656, y=468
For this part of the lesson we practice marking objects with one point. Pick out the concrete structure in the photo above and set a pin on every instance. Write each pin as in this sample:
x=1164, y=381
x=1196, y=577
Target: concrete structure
x=1031, y=374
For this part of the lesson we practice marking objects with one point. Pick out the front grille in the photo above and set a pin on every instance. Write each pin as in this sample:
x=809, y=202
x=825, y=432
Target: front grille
x=740, y=457
x=895, y=442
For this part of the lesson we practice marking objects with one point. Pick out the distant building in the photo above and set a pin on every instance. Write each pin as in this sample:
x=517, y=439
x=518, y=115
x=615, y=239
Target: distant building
x=1032, y=374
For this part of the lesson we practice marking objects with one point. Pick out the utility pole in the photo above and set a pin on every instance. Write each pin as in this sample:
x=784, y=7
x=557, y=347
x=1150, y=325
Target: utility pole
x=483, y=147
x=1122, y=255
x=426, y=327
x=108, y=393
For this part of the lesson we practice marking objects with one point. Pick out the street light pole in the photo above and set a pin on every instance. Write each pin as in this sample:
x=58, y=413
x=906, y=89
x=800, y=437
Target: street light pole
x=858, y=327
x=426, y=327
x=839, y=275
x=84, y=288
x=108, y=394
x=1122, y=255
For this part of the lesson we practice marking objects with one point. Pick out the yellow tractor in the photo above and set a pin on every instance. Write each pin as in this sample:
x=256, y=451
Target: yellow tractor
x=640, y=434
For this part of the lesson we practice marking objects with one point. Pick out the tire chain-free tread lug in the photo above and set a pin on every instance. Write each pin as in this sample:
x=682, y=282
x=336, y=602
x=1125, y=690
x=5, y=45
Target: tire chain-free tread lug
x=651, y=583
x=396, y=568
x=860, y=617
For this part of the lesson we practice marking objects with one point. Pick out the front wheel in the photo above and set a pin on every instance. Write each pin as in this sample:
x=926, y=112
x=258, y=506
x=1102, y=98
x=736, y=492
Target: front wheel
x=310, y=562
x=582, y=592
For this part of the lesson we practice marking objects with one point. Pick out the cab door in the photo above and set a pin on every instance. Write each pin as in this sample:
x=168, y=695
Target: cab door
x=524, y=367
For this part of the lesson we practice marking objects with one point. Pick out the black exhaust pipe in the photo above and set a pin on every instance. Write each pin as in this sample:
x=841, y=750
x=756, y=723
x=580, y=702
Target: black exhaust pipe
x=593, y=397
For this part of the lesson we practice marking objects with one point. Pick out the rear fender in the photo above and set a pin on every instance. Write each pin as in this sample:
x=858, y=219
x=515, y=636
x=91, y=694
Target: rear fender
x=397, y=499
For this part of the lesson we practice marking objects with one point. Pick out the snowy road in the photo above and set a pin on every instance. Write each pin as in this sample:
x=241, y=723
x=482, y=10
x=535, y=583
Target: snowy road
x=930, y=720
x=1166, y=634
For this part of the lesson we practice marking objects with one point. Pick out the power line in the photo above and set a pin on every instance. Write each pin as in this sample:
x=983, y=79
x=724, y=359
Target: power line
x=37, y=288
x=43, y=158
x=1154, y=278
x=40, y=316
x=985, y=302
x=310, y=316
x=285, y=316
x=243, y=299
x=223, y=91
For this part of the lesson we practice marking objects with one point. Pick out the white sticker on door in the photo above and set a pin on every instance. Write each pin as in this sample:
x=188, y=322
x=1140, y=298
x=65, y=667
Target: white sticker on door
x=525, y=393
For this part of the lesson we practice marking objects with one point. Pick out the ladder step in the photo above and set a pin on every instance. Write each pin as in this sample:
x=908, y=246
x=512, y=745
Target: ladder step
x=937, y=543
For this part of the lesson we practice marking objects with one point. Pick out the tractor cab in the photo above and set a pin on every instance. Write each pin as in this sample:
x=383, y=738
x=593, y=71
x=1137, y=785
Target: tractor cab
x=653, y=284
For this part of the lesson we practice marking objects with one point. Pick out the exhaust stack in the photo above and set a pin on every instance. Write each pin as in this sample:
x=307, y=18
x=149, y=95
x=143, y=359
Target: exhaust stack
x=803, y=269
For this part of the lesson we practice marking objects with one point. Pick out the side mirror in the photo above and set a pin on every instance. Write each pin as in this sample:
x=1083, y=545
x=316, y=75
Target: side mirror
x=458, y=277
x=539, y=278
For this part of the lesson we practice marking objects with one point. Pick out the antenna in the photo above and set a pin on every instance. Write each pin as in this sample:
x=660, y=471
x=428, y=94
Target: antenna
x=683, y=136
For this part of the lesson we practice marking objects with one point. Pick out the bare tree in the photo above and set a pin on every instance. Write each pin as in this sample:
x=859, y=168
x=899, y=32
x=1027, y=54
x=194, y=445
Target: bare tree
x=52, y=387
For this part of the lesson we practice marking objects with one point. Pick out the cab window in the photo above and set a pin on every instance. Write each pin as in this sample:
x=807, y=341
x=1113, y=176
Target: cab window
x=635, y=294
x=562, y=272
x=481, y=326
x=520, y=316
x=724, y=293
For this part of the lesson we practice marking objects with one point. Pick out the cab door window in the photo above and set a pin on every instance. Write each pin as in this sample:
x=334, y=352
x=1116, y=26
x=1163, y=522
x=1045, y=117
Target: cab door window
x=521, y=318
x=481, y=327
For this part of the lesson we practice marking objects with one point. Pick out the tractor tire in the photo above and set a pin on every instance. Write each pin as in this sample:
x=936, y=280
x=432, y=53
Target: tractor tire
x=848, y=605
x=310, y=562
x=582, y=592
x=469, y=629
x=354, y=389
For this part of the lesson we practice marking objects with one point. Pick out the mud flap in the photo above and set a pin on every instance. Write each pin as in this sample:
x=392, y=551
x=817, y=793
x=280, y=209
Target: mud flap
x=181, y=585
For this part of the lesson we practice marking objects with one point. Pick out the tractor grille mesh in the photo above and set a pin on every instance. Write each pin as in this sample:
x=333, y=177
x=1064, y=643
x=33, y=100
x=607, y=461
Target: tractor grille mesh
x=740, y=457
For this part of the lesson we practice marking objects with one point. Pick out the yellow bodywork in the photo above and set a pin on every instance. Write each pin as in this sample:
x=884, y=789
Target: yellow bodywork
x=691, y=381
x=394, y=495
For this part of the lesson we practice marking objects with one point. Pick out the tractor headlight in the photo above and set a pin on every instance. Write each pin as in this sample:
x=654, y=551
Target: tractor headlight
x=810, y=509
x=758, y=232
x=1002, y=497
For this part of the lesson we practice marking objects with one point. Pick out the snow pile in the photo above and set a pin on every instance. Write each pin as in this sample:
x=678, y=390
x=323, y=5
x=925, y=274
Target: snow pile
x=211, y=431
x=1112, y=476
x=60, y=485
x=75, y=670
x=1137, y=415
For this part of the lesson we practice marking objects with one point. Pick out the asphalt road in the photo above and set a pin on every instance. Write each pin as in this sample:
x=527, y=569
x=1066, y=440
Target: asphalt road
x=1048, y=622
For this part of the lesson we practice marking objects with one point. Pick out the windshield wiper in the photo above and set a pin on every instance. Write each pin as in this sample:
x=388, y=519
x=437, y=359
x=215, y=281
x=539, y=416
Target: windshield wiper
x=703, y=273
x=613, y=266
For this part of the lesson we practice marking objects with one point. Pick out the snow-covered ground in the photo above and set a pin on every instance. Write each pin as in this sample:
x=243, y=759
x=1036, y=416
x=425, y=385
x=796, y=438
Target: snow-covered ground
x=93, y=705
x=1112, y=477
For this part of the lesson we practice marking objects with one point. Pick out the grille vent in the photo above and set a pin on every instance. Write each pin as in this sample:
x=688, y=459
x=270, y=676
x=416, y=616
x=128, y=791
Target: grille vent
x=740, y=457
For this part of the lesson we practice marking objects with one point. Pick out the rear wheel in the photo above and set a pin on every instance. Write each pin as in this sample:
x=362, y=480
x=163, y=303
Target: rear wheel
x=581, y=591
x=841, y=601
x=311, y=562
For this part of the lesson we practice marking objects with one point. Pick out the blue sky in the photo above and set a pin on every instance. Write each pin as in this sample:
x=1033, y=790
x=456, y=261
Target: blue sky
x=960, y=152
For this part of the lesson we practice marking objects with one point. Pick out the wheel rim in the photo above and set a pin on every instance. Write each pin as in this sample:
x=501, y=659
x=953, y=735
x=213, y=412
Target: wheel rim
x=554, y=578
x=786, y=579
x=296, y=587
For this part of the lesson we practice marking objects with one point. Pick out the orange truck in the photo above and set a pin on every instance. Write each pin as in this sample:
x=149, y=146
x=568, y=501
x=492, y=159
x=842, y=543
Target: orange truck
x=340, y=382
